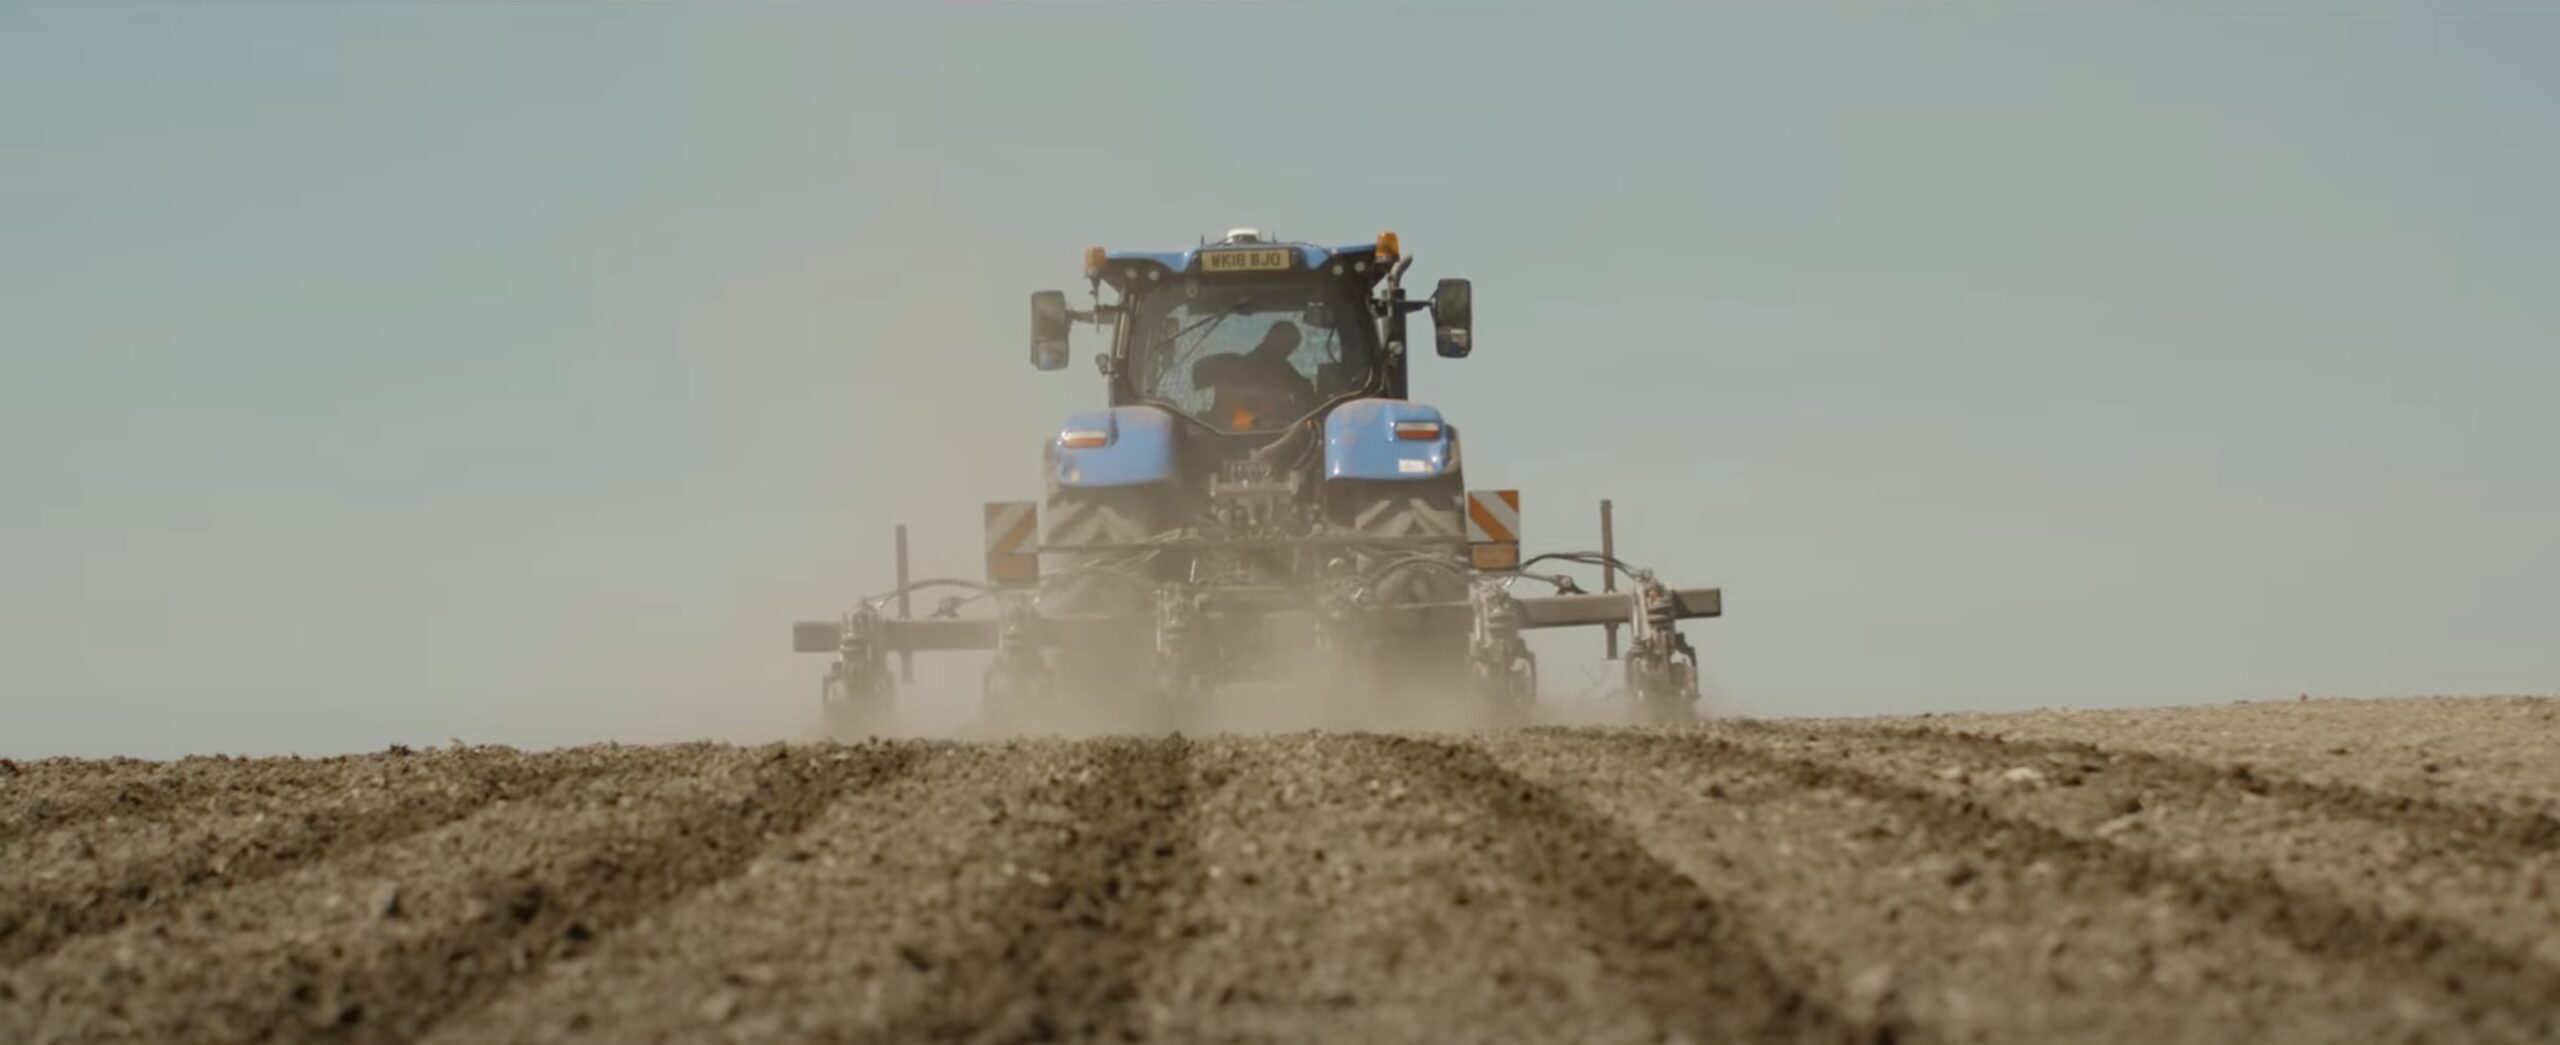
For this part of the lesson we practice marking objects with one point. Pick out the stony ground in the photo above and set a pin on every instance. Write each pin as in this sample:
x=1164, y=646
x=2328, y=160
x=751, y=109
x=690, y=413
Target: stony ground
x=2329, y=871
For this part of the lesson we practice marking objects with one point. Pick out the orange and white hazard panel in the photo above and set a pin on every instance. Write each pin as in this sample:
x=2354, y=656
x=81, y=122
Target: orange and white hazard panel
x=1013, y=543
x=1493, y=529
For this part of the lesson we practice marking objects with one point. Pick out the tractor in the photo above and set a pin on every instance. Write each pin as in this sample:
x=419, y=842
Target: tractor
x=1260, y=504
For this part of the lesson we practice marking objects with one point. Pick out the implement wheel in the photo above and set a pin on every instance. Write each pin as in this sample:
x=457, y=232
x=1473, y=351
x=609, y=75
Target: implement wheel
x=1665, y=691
x=848, y=712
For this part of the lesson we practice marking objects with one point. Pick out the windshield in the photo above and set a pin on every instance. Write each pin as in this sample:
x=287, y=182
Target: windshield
x=1248, y=355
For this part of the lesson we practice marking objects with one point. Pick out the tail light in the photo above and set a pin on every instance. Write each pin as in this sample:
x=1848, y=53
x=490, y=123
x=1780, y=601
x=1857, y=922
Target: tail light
x=1418, y=430
x=1083, y=438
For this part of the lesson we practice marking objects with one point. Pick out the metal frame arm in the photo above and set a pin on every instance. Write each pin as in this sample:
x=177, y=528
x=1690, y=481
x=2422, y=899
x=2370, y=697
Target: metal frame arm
x=1536, y=612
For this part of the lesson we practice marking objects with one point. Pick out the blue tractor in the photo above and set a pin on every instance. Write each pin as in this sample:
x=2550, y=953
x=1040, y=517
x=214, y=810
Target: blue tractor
x=1261, y=503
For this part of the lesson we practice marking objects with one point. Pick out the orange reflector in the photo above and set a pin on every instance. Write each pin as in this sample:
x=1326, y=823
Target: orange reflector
x=1241, y=420
x=1093, y=257
x=1388, y=248
x=1422, y=430
x=1083, y=438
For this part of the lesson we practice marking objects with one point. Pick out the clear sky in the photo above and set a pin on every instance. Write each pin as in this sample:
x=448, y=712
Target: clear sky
x=376, y=373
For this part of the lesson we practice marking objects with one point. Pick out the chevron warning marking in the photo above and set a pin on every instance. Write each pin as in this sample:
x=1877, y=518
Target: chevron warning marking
x=1493, y=516
x=1493, y=529
x=1013, y=556
x=1073, y=521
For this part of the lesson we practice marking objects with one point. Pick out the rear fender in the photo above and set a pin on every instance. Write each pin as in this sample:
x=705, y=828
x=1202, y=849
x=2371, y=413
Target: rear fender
x=1360, y=442
x=1137, y=448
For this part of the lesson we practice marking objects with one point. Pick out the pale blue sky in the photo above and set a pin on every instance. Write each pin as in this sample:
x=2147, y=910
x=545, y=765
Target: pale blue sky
x=517, y=373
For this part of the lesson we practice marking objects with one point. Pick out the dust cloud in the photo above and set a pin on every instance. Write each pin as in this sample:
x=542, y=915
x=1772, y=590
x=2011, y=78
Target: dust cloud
x=844, y=409
x=1301, y=694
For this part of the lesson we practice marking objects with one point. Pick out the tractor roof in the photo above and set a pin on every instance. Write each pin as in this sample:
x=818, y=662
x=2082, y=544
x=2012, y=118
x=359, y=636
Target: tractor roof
x=1250, y=251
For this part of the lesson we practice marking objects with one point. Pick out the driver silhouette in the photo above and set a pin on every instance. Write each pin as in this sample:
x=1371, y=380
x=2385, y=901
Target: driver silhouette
x=1257, y=388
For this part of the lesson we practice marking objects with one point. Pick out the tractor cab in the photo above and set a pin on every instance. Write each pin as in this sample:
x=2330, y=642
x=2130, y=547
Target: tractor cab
x=1247, y=354
x=1247, y=335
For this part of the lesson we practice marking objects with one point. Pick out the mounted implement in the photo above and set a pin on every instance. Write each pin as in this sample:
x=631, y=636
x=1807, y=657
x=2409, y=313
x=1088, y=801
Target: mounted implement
x=1261, y=503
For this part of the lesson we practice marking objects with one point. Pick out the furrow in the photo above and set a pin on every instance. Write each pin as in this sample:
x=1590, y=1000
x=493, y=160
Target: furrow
x=53, y=794
x=36, y=794
x=2432, y=973
x=2494, y=750
x=994, y=892
x=2476, y=824
x=2489, y=869
x=381, y=945
x=1349, y=897
x=1669, y=947
x=94, y=873
x=1058, y=953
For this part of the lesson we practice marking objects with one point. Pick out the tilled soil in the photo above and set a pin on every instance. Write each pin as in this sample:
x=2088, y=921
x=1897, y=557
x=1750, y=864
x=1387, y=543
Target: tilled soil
x=2322, y=871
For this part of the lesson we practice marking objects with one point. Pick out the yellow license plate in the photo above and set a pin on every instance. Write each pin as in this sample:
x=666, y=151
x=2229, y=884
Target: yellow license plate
x=1275, y=259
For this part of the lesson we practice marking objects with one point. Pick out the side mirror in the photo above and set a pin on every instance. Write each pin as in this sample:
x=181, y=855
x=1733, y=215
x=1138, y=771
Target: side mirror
x=1453, y=317
x=1049, y=324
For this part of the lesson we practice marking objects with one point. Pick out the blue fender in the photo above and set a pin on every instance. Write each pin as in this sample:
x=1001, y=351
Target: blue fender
x=1137, y=448
x=1360, y=441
